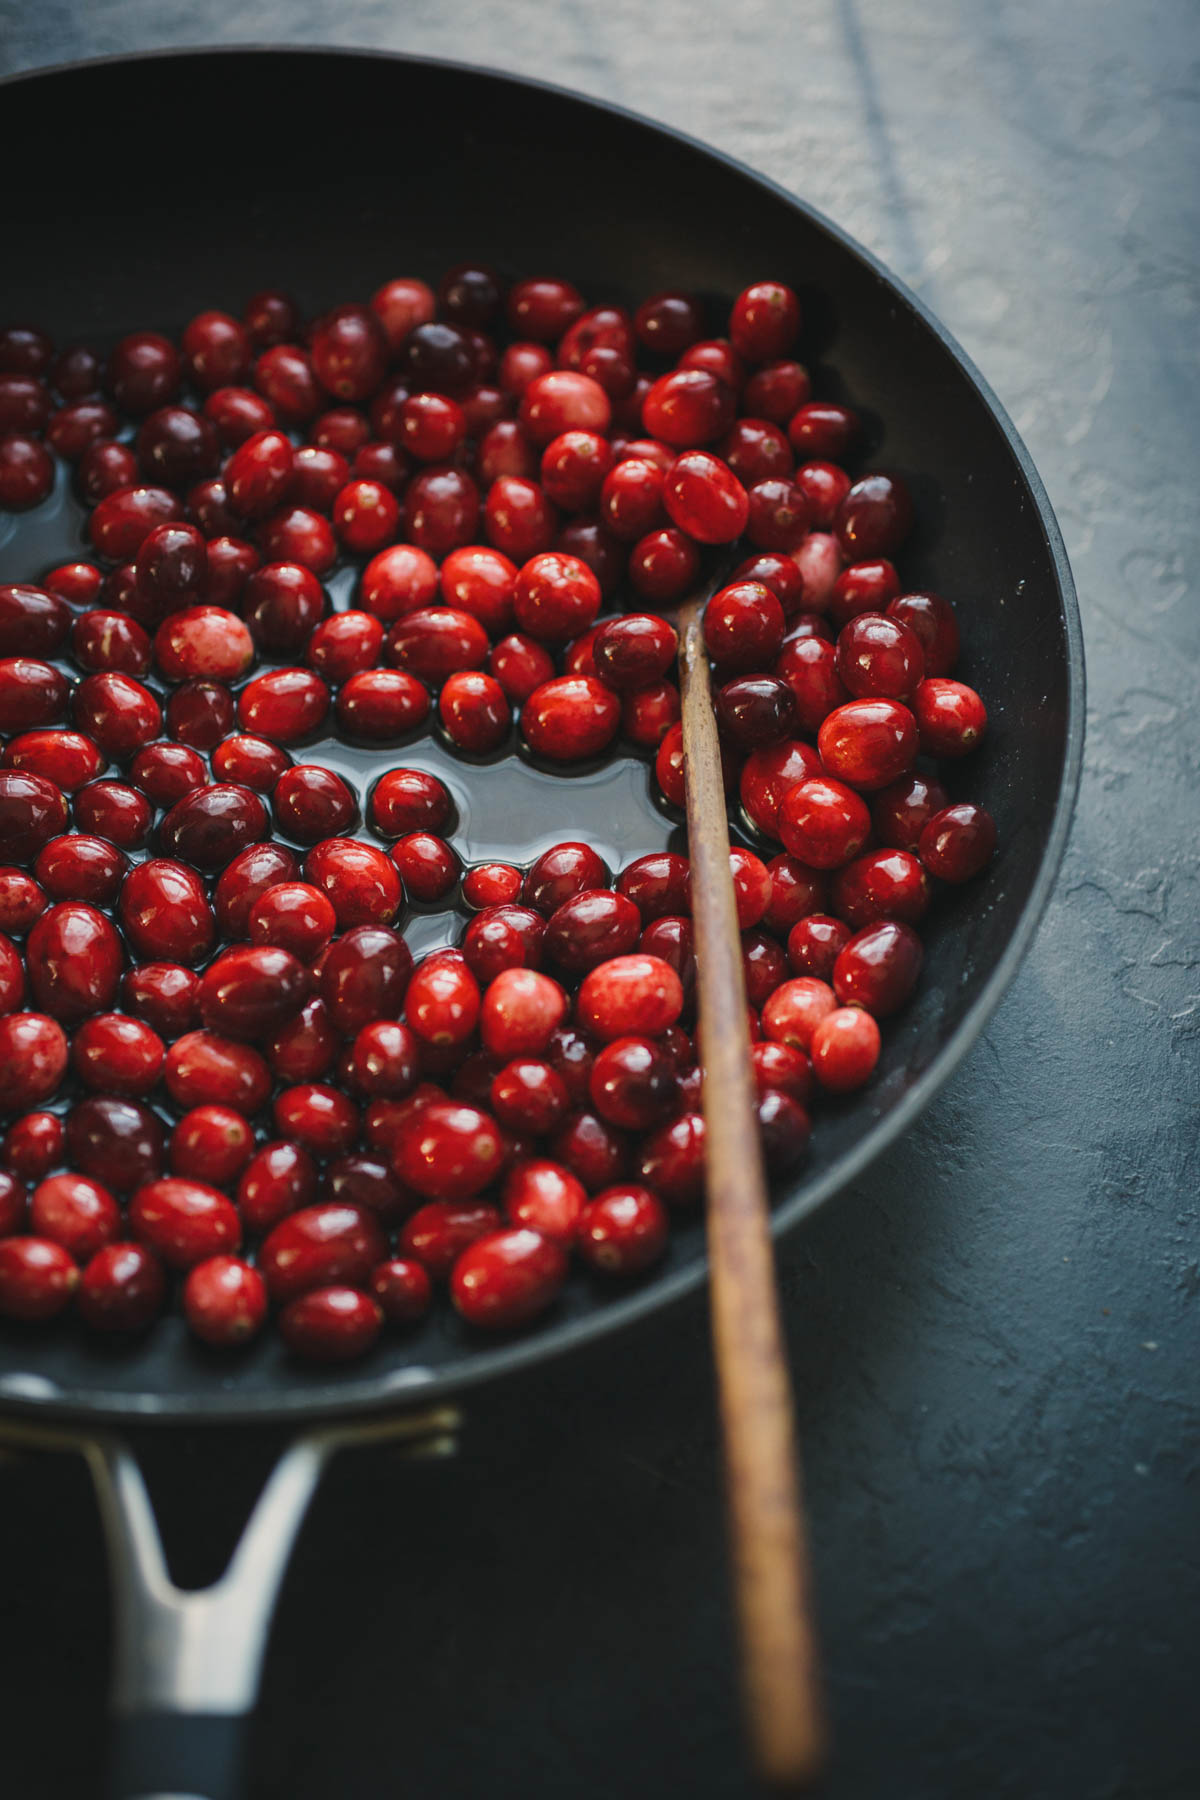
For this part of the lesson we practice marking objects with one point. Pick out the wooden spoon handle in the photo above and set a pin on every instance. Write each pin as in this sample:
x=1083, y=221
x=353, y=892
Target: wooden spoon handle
x=770, y=1560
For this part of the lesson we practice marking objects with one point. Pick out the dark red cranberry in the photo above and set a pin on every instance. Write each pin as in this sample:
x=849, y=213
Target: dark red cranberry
x=311, y=802
x=757, y=451
x=518, y=518
x=777, y=391
x=778, y=517
x=782, y=1069
x=75, y=372
x=363, y=977
x=633, y=1084
x=743, y=626
x=237, y=413
x=823, y=431
x=165, y=995
x=503, y=937
x=435, y=642
x=123, y=1288
x=114, y=811
x=659, y=884
x=507, y=1278
x=951, y=717
x=491, y=884
x=883, y=884
x=349, y=352
x=32, y=1147
x=210, y=826
x=79, y=583
x=24, y=350
x=931, y=620
x=667, y=323
x=250, y=991
x=73, y=958
x=400, y=305
x=38, y=1278
x=278, y=1180
x=331, y=1324
x=520, y=665
x=441, y=510
x=32, y=693
x=79, y=867
x=24, y=404
x=345, y=644
x=796, y=890
x=124, y=519
x=365, y=516
x=664, y=566
x=211, y=1142
x=809, y=666
x=75, y=1213
x=824, y=487
x=320, y=1118
x=32, y=621
x=318, y=1246
x=874, y=518
x=438, y=358
x=224, y=1301
x=901, y=811
x=26, y=473
x=560, y=873
x=877, y=656
x=521, y=1009
x=437, y=1234
x=251, y=873
x=398, y=580
x=795, y=1009
x=591, y=926
x=755, y=710
x=33, y=1059
x=623, y=1230
x=442, y=1002
x=592, y=543
x=165, y=914
x=296, y=534
x=688, y=408
x=284, y=705
x=177, y=447
x=595, y=1152
x=110, y=643
x=957, y=842
x=555, y=597
x=406, y=800
x=381, y=705
x=184, y=1222
x=284, y=376
x=528, y=1095
x=671, y=1160
x=784, y=1129
x=249, y=762
x=878, y=969
x=217, y=350
x=764, y=321
x=543, y=308
x=343, y=431
x=119, y=1143
x=768, y=776
x=166, y=772
x=446, y=1152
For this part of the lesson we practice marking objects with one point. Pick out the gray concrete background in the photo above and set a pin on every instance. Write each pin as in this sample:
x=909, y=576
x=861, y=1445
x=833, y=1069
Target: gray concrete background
x=994, y=1335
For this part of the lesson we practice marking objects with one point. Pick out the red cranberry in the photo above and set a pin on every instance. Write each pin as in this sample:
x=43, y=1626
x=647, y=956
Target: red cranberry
x=365, y=516
x=705, y=498
x=845, y=1049
x=563, y=400
x=629, y=995
x=386, y=1059
x=406, y=800
x=824, y=487
x=751, y=886
x=505, y=449
x=217, y=349
x=381, y=705
x=37, y=1278
x=757, y=451
x=400, y=305
x=437, y=1234
x=32, y=811
x=184, y=1222
x=951, y=718
x=428, y=867
x=659, y=884
x=249, y=762
x=594, y=1151
x=782, y=1069
x=573, y=469
x=177, y=447
x=520, y=665
x=824, y=823
x=764, y=321
x=26, y=473
x=633, y=1084
x=956, y=843
x=570, y=718
x=349, y=352
x=32, y=693
x=688, y=408
x=32, y=1147
x=447, y=1152
x=24, y=404
x=437, y=358
x=796, y=890
x=332, y=1324
x=204, y=1069
x=75, y=372
x=809, y=666
x=784, y=1128
x=874, y=518
x=119, y=1143
x=821, y=430
x=814, y=944
x=769, y=775
x=818, y=562
x=491, y=884
x=284, y=375
x=24, y=350
x=443, y=1000
x=12, y=977
x=165, y=995
x=304, y=1047
x=743, y=626
x=520, y=363
x=224, y=1301
x=143, y=372
x=635, y=651
x=436, y=641
x=544, y=1197
x=560, y=873
x=402, y=1290
x=75, y=1213
x=362, y=883
x=250, y=991
x=878, y=968
x=74, y=962
x=884, y=884
x=251, y=873
x=590, y=927
x=518, y=518
x=33, y=621
x=778, y=517
x=284, y=705
x=166, y=772
x=317, y=1117
x=294, y=917
x=211, y=1142
x=503, y=937
x=868, y=743
x=211, y=825
x=312, y=802
x=777, y=391
x=363, y=977
x=555, y=597
x=117, y=713
x=298, y=535
x=931, y=620
x=345, y=645
x=718, y=357
x=672, y=1160
x=520, y=1010
x=623, y=1230
x=755, y=710
x=795, y=1010
x=764, y=966
x=33, y=1059
x=879, y=657
x=480, y=582
x=506, y=1279
x=319, y=1246
x=664, y=566
x=282, y=604
x=278, y=1180
x=319, y=475
x=122, y=1289
x=528, y=1096
x=901, y=811
x=543, y=308
x=118, y=1055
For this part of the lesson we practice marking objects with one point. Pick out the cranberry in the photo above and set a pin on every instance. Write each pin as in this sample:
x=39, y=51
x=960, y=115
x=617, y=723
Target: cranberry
x=224, y=1301
x=633, y=1084
x=520, y=1010
x=757, y=451
x=635, y=651
x=755, y=710
x=672, y=1160
x=878, y=968
x=879, y=657
x=12, y=977
x=143, y=372
x=594, y=1151
x=32, y=811
x=446, y=1152
x=204, y=1069
x=284, y=376
x=117, y=713
x=278, y=1180
x=385, y=1059
x=33, y=622
x=628, y=995
x=951, y=718
x=764, y=321
x=119, y=1143
x=528, y=1096
x=560, y=873
x=751, y=886
x=319, y=1246
x=719, y=358
x=285, y=705
x=345, y=645
x=118, y=1055
x=79, y=583
x=824, y=823
x=659, y=884
x=796, y=891
x=166, y=772
x=365, y=516
x=795, y=1010
x=74, y=962
x=590, y=927
x=845, y=1049
x=573, y=468
x=211, y=1142
x=184, y=1222
x=177, y=447
x=397, y=581
x=663, y=566
x=769, y=775
x=249, y=992
x=623, y=1230
x=595, y=545
x=868, y=743
x=24, y=350
x=110, y=642
x=349, y=352
x=874, y=518
x=900, y=811
x=688, y=408
x=668, y=767
x=428, y=867
x=931, y=620
x=75, y=372
x=381, y=704
x=249, y=762
x=507, y=1278
x=884, y=884
x=165, y=995
x=438, y=358
x=436, y=641
x=957, y=842
x=784, y=1128
x=563, y=400
x=822, y=430
x=555, y=597
x=814, y=944
x=322, y=1120
x=777, y=391
x=570, y=718
x=122, y=1289
x=809, y=666
x=364, y=976
x=26, y=473
x=519, y=665
x=32, y=1147
x=342, y=431
x=824, y=486
x=543, y=308
x=77, y=1214
x=782, y=1069
x=296, y=534
x=818, y=561
x=402, y=1290
x=400, y=305
x=443, y=1000
x=104, y=468
x=406, y=800
x=491, y=884
x=304, y=1048
x=312, y=802
x=73, y=431
x=210, y=826
x=743, y=626
x=37, y=1278
x=33, y=1059
x=437, y=1234
x=32, y=693
x=764, y=966
x=505, y=450
x=518, y=518
x=332, y=1324
x=520, y=363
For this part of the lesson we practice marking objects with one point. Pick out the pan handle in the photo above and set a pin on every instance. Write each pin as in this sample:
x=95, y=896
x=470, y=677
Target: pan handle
x=186, y=1664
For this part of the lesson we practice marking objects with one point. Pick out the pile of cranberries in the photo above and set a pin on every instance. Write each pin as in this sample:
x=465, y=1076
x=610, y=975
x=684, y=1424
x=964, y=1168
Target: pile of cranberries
x=218, y=1061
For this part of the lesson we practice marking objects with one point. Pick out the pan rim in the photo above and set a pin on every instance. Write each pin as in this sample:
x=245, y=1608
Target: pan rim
x=350, y=1397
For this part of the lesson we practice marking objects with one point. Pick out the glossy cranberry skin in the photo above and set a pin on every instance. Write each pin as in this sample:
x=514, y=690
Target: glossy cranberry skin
x=631, y=499
x=822, y=431
x=205, y=1069
x=110, y=642
x=406, y=800
x=283, y=604
x=769, y=775
x=555, y=597
x=824, y=487
x=123, y=1288
x=795, y=891
x=164, y=995
x=224, y=1301
x=571, y=718
x=402, y=1290
x=74, y=959
x=312, y=802
x=543, y=308
x=398, y=580
x=814, y=944
x=184, y=1222
x=901, y=811
x=73, y=430
x=573, y=469
x=663, y=566
x=743, y=627
x=284, y=705
x=26, y=473
x=31, y=1148
x=381, y=705
x=38, y=1279
x=778, y=517
x=874, y=518
x=931, y=620
x=428, y=867
x=764, y=321
x=322, y=1120
x=331, y=1324
x=24, y=350
x=296, y=534
x=868, y=743
x=32, y=811
x=879, y=657
x=447, y=1152
x=520, y=363
x=211, y=1143
x=117, y=1055
x=283, y=374
x=32, y=693
x=491, y=884
x=250, y=991
x=75, y=372
x=33, y=1059
x=177, y=447
x=365, y=516
x=563, y=400
x=443, y=1000
x=438, y=358
x=437, y=1234
x=349, y=352
x=318, y=476
x=629, y=995
x=671, y=1160
x=777, y=391
x=757, y=451
x=117, y=713
x=278, y=1180
x=119, y=1143
x=878, y=968
x=782, y=1069
x=33, y=622
x=623, y=1230
x=505, y=450
x=751, y=886
x=345, y=645
x=210, y=826
x=633, y=1084
x=362, y=883
x=590, y=927
x=957, y=842
x=79, y=583
x=519, y=665
x=143, y=372
x=594, y=1151
x=951, y=717
x=705, y=498
x=75, y=1213
x=507, y=1278
x=304, y=1048
x=520, y=1010
x=528, y=1096
x=435, y=642
x=560, y=873
x=319, y=1246
x=386, y=1059
x=824, y=823
x=634, y=651
x=668, y=767
x=809, y=666
x=12, y=977
x=364, y=976
x=503, y=937
x=518, y=517
x=795, y=1009
x=105, y=468
x=400, y=305
x=659, y=885
x=884, y=884
x=755, y=710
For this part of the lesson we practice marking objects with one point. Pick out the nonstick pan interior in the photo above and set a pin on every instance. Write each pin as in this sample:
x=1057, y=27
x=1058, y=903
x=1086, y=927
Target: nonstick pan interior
x=143, y=189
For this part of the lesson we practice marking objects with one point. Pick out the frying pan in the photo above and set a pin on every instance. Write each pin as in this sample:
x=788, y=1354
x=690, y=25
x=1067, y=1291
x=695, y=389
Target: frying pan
x=144, y=188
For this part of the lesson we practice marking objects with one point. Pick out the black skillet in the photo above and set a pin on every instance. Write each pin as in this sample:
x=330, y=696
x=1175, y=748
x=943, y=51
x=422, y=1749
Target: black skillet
x=141, y=189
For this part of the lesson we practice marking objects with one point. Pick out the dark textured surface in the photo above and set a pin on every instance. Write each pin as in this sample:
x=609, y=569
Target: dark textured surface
x=994, y=1334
